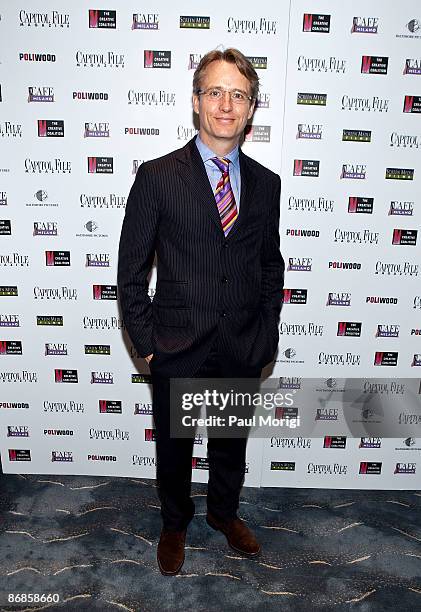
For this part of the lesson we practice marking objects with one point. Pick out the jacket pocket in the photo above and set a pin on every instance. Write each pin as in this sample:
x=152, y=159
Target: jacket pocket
x=171, y=317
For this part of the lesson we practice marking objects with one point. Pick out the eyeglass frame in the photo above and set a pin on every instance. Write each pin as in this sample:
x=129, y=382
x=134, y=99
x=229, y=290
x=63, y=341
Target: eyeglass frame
x=200, y=92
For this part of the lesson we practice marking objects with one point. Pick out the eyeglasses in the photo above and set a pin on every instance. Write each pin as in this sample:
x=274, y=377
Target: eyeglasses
x=217, y=93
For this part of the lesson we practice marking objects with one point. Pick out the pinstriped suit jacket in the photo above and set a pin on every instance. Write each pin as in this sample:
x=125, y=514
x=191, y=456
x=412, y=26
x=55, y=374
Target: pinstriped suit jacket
x=207, y=284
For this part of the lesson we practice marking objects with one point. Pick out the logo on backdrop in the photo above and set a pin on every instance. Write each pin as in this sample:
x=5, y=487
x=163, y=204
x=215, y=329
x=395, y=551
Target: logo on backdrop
x=316, y=23
x=405, y=236
x=251, y=26
x=258, y=62
x=57, y=258
x=374, y=104
x=96, y=130
x=309, y=131
x=145, y=21
x=306, y=167
x=151, y=98
x=10, y=130
x=360, y=205
x=257, y=133
x=320, y=64
x=55, y=166
x=387, y=331
x=386, y=359
x=50, y=128
x=100, y=165
x=295, y=296
x=365, y=25
x=412, y=66
x=156, y=59
x=53, y=19
x=314, y=99
x=371, y=64
x=102, y=19
x=40, y=94
x=90, y=95
x=106, y=59
x=37, y=57
x=353, y=171
x=195, y=22
x=412, y=104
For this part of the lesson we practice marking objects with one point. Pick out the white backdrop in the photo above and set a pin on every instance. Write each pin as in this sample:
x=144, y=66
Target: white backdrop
x=85, y=97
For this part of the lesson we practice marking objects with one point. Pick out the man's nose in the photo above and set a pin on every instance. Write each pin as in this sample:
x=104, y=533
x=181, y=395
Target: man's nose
x=226, y=101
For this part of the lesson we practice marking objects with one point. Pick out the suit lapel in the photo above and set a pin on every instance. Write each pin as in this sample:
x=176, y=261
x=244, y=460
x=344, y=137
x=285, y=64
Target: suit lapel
x=248, y=184
x=192, y=171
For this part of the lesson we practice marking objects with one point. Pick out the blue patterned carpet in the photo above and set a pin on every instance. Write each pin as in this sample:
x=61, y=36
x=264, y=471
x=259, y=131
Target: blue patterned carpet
x=93, y=541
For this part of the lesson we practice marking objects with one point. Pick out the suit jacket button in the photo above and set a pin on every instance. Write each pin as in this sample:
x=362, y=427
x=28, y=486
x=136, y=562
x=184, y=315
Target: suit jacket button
x=223, y=314
x=224, y=279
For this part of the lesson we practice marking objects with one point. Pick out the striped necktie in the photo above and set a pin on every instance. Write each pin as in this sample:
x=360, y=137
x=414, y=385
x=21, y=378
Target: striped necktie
x=224, y=196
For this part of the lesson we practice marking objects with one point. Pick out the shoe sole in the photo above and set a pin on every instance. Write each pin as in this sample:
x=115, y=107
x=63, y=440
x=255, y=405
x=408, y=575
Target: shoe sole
x=243, y=552
x=166, y=573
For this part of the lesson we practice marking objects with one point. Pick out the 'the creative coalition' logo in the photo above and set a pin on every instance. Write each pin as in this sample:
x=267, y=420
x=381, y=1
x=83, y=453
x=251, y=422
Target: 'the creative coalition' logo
x=371, y=64
x=40, y=94
x=370, y=467
x=50, y=128
x=19, y=454
x=57, y=258
x=65, y=376
x=110, y=406
x=360, y=205
x=189, y=22
x=349, y=328
x=145, y=21
x=10, y=347
x=100, y=165
x=105, y=292
x=405, y=236
x=316, y=23
x=295, y=296
x=365, y=25
x=386, y=358
x=306, y=167
x=257, y=133
x=412, y=104
x=156, y=59
x=102, y=19
x=5, y=227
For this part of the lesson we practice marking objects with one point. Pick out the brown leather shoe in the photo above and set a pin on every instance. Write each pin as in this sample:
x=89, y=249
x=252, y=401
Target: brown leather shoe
x=170, y=553
x=238, y=535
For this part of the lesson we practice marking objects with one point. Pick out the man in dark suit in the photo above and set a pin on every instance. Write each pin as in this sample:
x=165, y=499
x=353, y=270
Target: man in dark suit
x=211, y=216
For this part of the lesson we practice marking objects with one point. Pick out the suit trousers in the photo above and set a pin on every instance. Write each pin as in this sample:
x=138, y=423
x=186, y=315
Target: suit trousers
x=226, y=456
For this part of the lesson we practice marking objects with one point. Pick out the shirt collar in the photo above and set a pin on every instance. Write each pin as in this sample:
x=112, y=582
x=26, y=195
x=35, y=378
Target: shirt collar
x=206, y=153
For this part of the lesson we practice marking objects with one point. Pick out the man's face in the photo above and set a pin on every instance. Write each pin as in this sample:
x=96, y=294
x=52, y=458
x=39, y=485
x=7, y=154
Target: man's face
x=222, y=121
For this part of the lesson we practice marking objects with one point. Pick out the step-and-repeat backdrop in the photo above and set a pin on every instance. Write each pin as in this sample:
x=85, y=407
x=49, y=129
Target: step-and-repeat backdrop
x=88, y=94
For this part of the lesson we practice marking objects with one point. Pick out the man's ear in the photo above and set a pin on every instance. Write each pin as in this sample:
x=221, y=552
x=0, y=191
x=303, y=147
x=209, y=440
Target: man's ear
x=251, y=109
x=195, y=100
